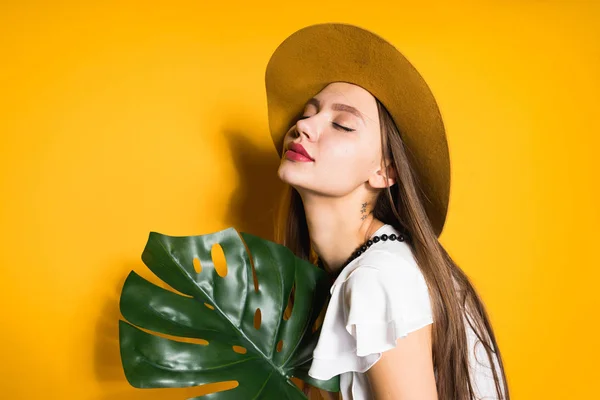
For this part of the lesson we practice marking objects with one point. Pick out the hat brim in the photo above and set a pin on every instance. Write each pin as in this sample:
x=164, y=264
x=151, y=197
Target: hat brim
x=314, y=56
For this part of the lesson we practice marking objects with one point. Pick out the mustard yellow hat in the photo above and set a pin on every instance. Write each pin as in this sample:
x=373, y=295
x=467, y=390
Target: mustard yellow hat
x=314, y=56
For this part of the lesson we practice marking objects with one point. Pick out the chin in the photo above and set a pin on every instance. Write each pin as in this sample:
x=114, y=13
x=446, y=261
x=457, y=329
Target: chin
x=291, y=176
x=285, y=173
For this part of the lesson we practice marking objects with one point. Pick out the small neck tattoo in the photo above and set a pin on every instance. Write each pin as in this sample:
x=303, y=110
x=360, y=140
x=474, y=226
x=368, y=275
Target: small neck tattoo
x=363, y=211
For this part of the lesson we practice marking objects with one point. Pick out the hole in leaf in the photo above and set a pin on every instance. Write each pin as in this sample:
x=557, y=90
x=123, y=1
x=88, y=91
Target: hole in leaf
x=197, y=265
x=209, y=306
x=279, y=345
x=239, y=349
x=180, y=339
x=257, y=318
x=218, y=257
x=319, y=319
x=287, y=313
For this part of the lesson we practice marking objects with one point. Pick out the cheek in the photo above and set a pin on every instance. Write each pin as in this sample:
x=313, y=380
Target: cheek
x=347, y=161
x=335, y=155
x=352, y=150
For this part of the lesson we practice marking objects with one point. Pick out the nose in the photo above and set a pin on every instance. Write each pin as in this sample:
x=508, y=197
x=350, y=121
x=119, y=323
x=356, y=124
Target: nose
x=308, y=126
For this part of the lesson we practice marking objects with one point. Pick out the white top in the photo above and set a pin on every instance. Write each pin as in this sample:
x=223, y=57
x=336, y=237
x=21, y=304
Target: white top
x=378, y=297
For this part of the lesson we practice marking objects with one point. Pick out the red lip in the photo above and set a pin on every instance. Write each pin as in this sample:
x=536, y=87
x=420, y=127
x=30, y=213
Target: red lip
x=297, y=148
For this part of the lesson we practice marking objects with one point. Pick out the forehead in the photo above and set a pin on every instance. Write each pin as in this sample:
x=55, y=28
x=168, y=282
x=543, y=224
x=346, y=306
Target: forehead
x=352, y=95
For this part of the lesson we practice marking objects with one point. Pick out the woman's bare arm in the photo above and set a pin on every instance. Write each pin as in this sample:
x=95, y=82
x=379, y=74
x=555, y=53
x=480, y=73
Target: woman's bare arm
x=406, y=371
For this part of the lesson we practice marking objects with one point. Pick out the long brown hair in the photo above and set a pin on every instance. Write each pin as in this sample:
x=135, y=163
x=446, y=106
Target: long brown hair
x=452, y=294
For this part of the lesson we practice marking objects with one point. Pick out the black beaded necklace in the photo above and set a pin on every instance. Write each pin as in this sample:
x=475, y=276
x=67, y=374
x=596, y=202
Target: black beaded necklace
x=365, y=246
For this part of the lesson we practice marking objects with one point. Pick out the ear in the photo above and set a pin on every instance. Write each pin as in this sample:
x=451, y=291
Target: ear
x=378, y=178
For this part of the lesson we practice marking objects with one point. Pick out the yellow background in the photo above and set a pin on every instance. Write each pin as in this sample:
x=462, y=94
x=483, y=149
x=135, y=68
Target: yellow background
x=121, y=119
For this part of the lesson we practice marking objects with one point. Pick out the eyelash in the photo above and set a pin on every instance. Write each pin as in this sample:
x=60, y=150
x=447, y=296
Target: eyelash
x=337, y=126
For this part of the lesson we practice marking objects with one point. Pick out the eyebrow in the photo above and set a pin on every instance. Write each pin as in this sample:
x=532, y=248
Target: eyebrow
x=337, y=107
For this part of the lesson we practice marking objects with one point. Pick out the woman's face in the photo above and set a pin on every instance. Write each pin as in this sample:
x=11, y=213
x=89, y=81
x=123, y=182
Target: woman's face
x=340, y=131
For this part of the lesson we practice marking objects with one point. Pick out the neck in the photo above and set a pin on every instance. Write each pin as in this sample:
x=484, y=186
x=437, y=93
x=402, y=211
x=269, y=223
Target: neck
x=337, y=226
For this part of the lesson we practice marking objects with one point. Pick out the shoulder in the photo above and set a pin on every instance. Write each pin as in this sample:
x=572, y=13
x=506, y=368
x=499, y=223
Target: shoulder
x=391, y=263
x=390, y=257
x=387, y=286
x=387, y=280
x=382, y=301
x=379, y=297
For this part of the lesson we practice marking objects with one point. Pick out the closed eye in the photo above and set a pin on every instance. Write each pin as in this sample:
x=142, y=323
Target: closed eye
x=337, y=126
x=343, y=127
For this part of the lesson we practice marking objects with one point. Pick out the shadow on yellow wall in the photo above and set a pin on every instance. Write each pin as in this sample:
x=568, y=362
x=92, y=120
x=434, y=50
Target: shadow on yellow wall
x=250, y=207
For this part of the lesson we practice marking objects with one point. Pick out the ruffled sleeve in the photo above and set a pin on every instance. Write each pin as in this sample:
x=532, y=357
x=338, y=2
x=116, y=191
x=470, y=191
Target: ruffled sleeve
x=383, y=298
x=382, y=305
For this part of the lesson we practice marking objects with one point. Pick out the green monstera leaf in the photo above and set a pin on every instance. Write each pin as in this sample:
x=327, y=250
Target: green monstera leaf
x=222, y=311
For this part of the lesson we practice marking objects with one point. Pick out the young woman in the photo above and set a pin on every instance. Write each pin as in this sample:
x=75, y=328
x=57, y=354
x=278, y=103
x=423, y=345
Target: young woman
x=365, y=157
